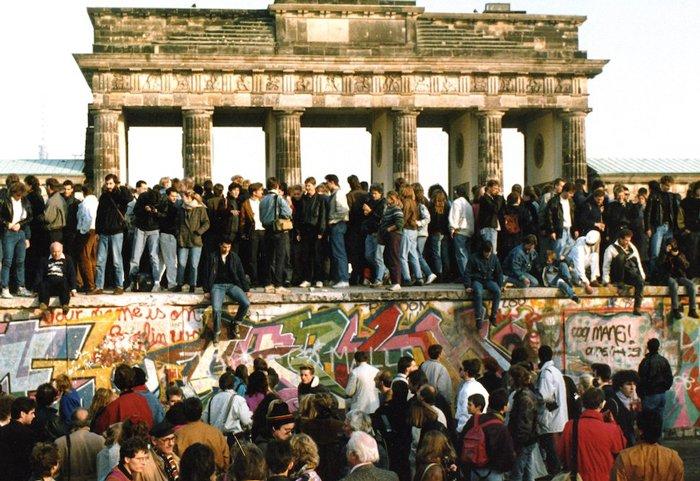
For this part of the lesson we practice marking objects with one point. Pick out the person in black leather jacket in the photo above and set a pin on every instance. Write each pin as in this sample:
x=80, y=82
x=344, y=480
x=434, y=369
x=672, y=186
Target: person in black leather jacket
x=655, y=378
x=522, y=421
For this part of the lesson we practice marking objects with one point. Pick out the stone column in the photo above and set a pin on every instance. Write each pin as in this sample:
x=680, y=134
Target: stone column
x=288, y=146
x=405, y=145
x=490, y=146
x=196, y=143
x=573, y=155
x=106, y=140
x=89, y=161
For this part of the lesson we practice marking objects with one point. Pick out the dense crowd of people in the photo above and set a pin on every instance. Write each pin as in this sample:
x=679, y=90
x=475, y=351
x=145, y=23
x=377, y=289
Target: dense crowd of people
x=81, y=238
x=529, y=422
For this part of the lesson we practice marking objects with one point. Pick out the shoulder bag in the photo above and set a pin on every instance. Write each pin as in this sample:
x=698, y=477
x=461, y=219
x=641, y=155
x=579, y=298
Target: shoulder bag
x=280, y=225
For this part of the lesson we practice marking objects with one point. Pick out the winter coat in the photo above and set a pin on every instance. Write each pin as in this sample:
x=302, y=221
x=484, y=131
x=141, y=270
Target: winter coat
x=483, y=270
x=598, y=444
x=689, y=215
x=193, y=222
x=489, y=211
x=499, y=443
x=550, y=385
x=55, y=212
x=661, y=207
x=588, y=216
x=111, y=211
x=7, y=212
x=522, y=420
x=554, y=216
x=144, y=220
x=655, y=376
x=519, y=262
x=370, y=224
x=234, y=266
x=361, y=388
x=313, y=213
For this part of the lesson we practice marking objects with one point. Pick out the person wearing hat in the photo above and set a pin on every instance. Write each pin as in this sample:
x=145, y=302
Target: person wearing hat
x=280, y=424
x=584, y=255
x=163, y=453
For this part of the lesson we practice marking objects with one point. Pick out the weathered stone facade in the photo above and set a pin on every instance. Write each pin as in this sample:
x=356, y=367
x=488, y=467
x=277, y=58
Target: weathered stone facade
x=313, y=63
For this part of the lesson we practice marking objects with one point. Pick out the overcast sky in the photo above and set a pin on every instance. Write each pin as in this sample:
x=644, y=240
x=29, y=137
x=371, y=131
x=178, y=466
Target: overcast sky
x=645, y=103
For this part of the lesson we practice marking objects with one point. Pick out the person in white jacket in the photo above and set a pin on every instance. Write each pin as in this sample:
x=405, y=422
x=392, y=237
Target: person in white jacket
x=622, y=265
x=468, y=372
x=361, y=387
x=228, y=411
x=462, y=226
x=584, y=255
x=87, y=238
x=550, y=385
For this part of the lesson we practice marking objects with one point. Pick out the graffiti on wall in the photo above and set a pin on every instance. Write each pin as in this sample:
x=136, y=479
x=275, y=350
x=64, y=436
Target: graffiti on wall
x=88, y=342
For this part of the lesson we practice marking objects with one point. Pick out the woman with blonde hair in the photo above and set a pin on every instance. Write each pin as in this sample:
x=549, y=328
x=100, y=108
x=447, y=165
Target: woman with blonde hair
x=306, y=458
x=193, y=222
x=100, y=400
x=409, y=238
x=390, y=233
x=433, y=454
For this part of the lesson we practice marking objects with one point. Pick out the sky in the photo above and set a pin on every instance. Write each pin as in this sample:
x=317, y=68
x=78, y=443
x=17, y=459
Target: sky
x=645, y=103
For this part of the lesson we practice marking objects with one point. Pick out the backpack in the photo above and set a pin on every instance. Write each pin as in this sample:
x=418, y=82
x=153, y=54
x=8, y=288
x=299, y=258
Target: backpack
x=512, y=223
x=474, y=443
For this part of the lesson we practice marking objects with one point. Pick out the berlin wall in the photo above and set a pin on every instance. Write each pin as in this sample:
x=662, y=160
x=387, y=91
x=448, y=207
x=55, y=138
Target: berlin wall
x=162, y=333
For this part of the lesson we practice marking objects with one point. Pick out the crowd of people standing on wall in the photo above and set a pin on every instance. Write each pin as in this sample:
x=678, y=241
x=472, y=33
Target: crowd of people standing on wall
x=181, y=236
x=528, y=422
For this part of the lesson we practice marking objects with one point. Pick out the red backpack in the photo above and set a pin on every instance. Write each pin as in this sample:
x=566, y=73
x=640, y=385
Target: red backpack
x=474, y=443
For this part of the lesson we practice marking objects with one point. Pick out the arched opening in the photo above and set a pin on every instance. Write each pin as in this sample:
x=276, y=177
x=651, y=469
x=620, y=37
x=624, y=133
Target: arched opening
x=238, y=151
x=340, y=151
x=433, y=157
x=513, y=159
x=154, y=152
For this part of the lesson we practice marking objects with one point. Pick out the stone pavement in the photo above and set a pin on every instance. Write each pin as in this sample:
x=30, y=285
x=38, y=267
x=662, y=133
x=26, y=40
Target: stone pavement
x=689, y=451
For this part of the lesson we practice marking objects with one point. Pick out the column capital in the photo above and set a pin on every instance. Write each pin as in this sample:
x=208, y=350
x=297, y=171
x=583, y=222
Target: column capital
x=573, y=113
x=413, y=112
x=280, y=112
x=490, y=113
x=188, y=112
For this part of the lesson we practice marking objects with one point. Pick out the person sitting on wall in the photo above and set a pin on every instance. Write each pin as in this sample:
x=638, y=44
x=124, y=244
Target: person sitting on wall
x=520, y=262
x=226, y=277
x=483, y=271
x=56, y=277
x=556, y=273
x=584, y=255
x=672, y=270
x=622, y=265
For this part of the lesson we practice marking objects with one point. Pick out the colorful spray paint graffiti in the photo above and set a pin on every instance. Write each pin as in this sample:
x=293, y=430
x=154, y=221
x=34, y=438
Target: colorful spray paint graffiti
x=88, y=341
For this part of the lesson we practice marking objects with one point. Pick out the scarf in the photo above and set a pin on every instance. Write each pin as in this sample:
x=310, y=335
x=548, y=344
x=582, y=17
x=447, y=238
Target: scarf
x=627, y=401
x=169, y=465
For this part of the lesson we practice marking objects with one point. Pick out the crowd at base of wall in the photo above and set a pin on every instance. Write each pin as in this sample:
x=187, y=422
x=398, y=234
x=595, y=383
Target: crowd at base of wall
x=161, y=332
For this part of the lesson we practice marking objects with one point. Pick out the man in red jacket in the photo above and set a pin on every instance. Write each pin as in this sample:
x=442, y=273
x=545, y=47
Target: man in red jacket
x=599, y=439
x=129, y=405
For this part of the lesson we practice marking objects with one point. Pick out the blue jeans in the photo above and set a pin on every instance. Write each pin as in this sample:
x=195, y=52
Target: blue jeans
x=339, y=255
x=420, y=245
x=183, y=255
x=439, y=252
x=660, y=235
x=689, y=288
x=491, y=235
x=522, y=467
x=495, y=291
x=485, y=474
x=655, y=402
x=14, y=250
x=114, y=242
x=218, y=293
x=374, y=254
x=563, y=242
x=168, y=256
x=145, y=238
x=521, y=282
x=461, y=253
x=409, y=255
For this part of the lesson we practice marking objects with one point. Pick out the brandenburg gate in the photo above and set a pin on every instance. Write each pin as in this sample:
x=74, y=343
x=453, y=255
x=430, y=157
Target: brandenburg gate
x=385, y=65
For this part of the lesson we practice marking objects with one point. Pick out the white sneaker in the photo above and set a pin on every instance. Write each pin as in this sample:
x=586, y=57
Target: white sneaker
x=269, y=289
x=431, y=278
x=305, y=284
x=156, y=288
x=6, y=294
x=366, y=283
x=341, y=285
x=319, y=284
x=376, y=284
x=282, y=290
x=394, y=287
x=23, y=292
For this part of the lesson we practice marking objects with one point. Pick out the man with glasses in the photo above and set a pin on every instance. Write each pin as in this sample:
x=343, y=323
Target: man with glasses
x=163, y=452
